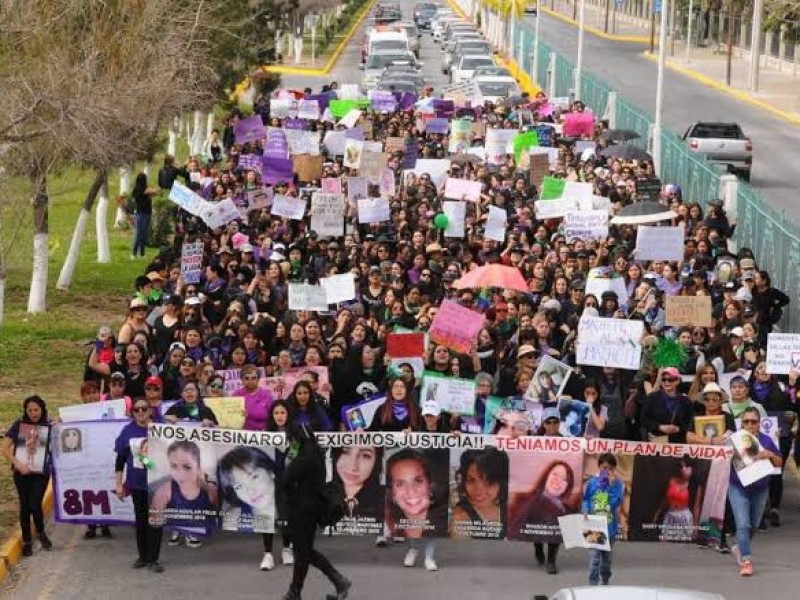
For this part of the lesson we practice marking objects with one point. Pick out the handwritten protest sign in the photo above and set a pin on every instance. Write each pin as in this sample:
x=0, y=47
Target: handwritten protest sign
x=228, y=410
x=288, y=206
x=308, y=109
x=187, y=199
x=462, y=189
x=405, y=344
x=659, y=243
x=192, y=262
x=578, y=191
x=456, y=326
x=232, y=379
x=587, y=225
x=452, y=395
x=456, y=219
x=386, y=182
x=304, y=296
x=220, y=214
x=339, y=288
x=374, y=210
x=283, y=385
x=688, y=311
x=395, y=144
x=497, y=144
x=93, y=411
x=327, y=214
x=460, y=133
x=606, y=342
x=437, y=125
x=353, y=150
x=783, y=353
x=334, y=142
x=496, y=224
x=373, y=164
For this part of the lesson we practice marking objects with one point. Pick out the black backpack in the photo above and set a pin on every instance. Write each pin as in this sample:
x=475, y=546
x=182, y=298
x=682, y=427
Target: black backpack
x=331, y=504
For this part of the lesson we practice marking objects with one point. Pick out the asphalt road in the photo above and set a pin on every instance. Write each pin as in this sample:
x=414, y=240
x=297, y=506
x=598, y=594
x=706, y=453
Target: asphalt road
x=776, y=142
x=227, y=566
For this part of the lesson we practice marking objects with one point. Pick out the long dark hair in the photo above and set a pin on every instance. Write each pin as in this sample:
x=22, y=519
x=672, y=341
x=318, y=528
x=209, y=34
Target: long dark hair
x=139, y=185
x=271, y=424
x=38, y=400
x=238, y=458
x=386, y=412
x=372, y=486
x=312, y=408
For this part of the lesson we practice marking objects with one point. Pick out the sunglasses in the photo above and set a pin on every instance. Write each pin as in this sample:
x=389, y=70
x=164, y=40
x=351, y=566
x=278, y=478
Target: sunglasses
x=141, y=409
x=750, y=421
x=216, y=386
x=668, y=379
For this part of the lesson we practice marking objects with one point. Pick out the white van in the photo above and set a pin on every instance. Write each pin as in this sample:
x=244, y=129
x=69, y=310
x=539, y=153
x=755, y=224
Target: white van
x=383, y=41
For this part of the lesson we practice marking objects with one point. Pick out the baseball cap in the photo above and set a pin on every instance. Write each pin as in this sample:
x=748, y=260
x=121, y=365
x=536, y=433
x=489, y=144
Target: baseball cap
x=525, y=350
x=154, y=380
x=118, y=375
x=431, y=407
x=154, y=276
x=550, y=413
x=246, y=248
x=737, y=332
x=747, y=264
x=138, y=303
x=178, y=345
x=671, y=372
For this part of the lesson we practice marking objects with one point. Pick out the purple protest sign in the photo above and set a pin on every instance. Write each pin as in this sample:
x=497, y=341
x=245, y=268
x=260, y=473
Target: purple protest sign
x=249, y=130
x=300, y=124
x=249, y=162
x=276, y=146
x=408, y=101
x=411, y=154
x=438, y=125
x=322, y=99
x=277, y=170
x=444, y=108
x=356, y=133
x=381, y=100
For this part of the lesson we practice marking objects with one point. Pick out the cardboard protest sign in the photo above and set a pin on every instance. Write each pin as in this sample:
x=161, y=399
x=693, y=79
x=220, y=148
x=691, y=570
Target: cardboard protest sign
x=405, y=344
x=456, y=327
x=452, y=395
x=373, y=164
x=539, y=167
x=394, y=144
x=192, y=262
x=659, y=243
x=599, y=285
x=288, y=207
x=229, y=410
x=783, y=353
x=327, y=214
x=688, y=311
x=586, y=225
x=462, y=189
x=605, y=342
x=374, y=210
x=307, y=167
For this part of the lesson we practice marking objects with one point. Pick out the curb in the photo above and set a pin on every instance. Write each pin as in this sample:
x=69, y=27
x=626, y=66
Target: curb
x=743, y=96
x=631, y=39
x=11, y=550
x=334, y=57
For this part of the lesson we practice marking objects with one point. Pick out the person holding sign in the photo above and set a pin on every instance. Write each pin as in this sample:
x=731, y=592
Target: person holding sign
x=132, y=460
x=30, y=482
x=748, y=502
x=603, y=495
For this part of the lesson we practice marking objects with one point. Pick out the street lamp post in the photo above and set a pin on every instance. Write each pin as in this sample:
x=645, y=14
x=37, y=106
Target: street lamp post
x=689, y=30
x=662, y=59
x=579, y=69
x=755, y=46
x=535, y=73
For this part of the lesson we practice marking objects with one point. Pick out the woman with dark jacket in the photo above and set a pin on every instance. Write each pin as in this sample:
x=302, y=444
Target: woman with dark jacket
x=303, y=480
x=399, y=411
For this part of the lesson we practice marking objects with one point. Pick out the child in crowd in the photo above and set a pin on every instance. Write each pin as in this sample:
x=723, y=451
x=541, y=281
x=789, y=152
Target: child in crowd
x=603, y=496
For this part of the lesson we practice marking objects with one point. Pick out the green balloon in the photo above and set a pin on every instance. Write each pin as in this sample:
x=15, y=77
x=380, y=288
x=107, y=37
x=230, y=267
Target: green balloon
x=441, y=221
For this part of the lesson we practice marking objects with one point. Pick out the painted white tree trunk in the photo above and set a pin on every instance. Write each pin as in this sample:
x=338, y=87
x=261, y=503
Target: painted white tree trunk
x=101, y=227
x=298, y=48
x=197, y=133
x=146, y=169
x=37, y=298
x=188, y=132
x=68, y=268
x=2, y=296
x=172, y=143
x=209, y=125
x=121, y=219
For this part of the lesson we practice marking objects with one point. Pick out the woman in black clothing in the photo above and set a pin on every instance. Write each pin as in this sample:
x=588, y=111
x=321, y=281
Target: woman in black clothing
x=302, y=481
x=142, y=197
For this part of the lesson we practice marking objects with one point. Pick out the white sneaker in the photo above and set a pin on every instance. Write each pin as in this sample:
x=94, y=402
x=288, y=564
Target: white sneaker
x=380, y=541
x=287, y=556
x=193, y=542
x=411, y=558
x=430, y=565
x=174, y=539
x=398, y=539
x=267, y=563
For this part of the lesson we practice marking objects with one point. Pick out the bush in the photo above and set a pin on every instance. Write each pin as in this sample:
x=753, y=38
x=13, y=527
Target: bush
x=161, y=223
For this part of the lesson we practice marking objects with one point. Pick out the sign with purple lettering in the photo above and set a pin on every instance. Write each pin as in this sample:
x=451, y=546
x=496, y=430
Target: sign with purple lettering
x=249, y=130
x=408, y=100
x=444, y=108
x=277, y=170
x=438, y=125
x=301, y=124
x=411, y=154
x=383, y=100
x=249, y=162
x=276, y=146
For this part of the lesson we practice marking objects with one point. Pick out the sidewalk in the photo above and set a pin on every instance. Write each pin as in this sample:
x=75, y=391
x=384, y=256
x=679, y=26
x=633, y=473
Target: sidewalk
x=779, y=90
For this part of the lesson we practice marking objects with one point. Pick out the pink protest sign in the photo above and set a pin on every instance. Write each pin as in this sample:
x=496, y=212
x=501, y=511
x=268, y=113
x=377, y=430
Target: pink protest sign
x=283, y=385
x=456, y=327
x=578, y=124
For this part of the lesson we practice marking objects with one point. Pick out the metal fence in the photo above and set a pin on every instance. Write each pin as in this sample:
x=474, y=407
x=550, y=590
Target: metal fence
x=773, y=237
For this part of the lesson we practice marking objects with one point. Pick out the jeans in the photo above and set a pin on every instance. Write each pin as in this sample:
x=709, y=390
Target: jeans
x=776, y=481
x=148, y=538
x=31, y=489
x=430, y=546
x=748, y=508
x=141, y=233
x=600, y=566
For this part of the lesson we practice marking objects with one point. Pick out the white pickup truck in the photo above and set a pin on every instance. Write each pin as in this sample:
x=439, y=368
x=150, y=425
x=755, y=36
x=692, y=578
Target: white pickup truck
x=724, y=144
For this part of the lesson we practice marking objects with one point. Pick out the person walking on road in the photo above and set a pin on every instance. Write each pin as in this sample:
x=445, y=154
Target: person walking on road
x=303, y=481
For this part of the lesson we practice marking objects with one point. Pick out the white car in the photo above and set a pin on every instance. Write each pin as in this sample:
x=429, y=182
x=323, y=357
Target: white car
x=619, y=592
x=467, y=64
x=377, y=63
x=495, y=88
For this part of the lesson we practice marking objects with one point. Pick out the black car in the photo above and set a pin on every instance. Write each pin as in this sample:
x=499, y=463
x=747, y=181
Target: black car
x=423, y=13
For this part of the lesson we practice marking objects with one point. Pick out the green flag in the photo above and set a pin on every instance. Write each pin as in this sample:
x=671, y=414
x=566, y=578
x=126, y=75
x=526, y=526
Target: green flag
x=552, y=188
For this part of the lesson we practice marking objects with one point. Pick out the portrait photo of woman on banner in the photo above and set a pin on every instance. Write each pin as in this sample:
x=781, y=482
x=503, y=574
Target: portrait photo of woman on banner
x=358, y=469
x=481, y=506
x=416, y=493
x=246, y=479
x=543, y=487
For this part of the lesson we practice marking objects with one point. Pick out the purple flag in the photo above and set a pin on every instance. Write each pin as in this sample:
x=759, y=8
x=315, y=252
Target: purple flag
x=277, y=170
x=408, y=100
x=249, y=130
x=300, y=124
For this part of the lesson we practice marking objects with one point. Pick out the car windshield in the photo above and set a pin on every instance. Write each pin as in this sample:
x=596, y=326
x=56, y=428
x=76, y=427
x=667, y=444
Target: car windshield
x=726, y=131
x=492, y=72
x=381, y=61
x=473, y=47
x=383, y=45
x=494, y=88
x=472, y=63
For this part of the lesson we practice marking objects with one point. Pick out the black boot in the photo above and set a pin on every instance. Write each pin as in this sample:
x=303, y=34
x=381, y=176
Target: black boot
x=539, y=553
x=342, y=585
x=292, y=594
x=27, y=549
x=45, y=541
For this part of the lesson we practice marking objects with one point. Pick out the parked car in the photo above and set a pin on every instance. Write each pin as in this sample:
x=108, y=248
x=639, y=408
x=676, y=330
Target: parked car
x=724, y=144
x=530, y=7
x=621, y=592
x=495, y=71
x=412, y=33
x=377, y=63
x=463, y=46
x=467, y=65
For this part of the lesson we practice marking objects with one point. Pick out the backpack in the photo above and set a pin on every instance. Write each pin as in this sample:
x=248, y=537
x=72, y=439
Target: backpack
x=331, y=504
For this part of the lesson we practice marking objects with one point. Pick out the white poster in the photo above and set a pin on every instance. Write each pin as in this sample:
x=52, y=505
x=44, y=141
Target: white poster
x=327, y=214
x=554, y=209
x=548, y=381
x=452, y=395
x=496, y=224
x=609, y=342
x=783, y=353
x=356, y=188
x=334, y=142
x=288, y=206
x=304, y=296
x=83, y=473
x=192, y=262
x=374, y=210
x=586, y=225
x=456, y=219
x=578, y=191
x=435, y=167
x=93, y=411
x=220, y=214
x=308, y=109
x=339, y=288
x=462, y=189
x=352, y=153
x=351, y=118
x=597, y=285
x=745, y=449
x=659, y=243
x=589, y=531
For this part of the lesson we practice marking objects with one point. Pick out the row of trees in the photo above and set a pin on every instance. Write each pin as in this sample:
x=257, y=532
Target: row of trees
x=95, y=83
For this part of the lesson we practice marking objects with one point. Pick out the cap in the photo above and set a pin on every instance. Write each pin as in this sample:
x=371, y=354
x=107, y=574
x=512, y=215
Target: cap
x=276, y=256
x=650, y=277
x=177, y=345
x=374, y=269
x=552, y=304
x=279, y=246
x=738, y=379
x=224, y=250
x=550, y=413
x=138, y=303
x=747, y=264
x=193, y=301
x=155, y=276
x=369, y=236
x=671, y=372
x=154, y=380
x=246, y=248
x=333, y=244
x=118, y=375
x=748, y=276
x=609, y=294
x=431, y=407
x=713, y=388
x=525, y=350
x=431, y=248
x=577, y=284
x=737, y=332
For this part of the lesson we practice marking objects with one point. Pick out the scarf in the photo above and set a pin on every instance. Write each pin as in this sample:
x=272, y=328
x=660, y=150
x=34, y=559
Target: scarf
x=760, y=391
x=399, y=411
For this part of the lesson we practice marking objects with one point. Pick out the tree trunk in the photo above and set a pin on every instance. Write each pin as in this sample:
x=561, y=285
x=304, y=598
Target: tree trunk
x=68, y=269
x=209, y=124
x=2, y=293
x=188, y=132
x=101, y=226
x=37, y=298
x=121, y=219
x=197, y=134
x=172, y=144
